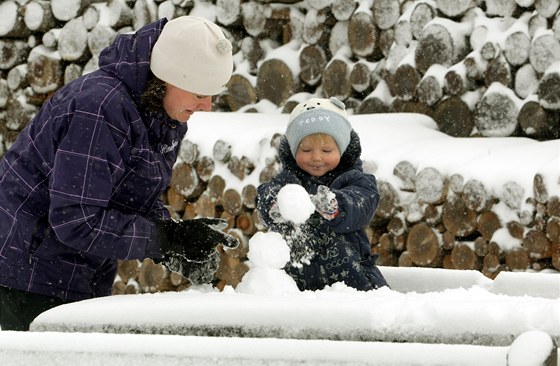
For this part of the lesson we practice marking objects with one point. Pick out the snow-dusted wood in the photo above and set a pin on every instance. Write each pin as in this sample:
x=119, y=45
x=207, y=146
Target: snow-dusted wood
x=12, y=53
x=73, y=41
x=38, y=16
x=65, y=10
x=360, y=77
x=454, y=117
x=228, y=12
x=254, y=20
x=386, y=13
x=497, y=111
x=362, y=34
x=205, y=168
x=241, y=92
x=549, y=88
x=336, y=81
x=545, y=50
x=276, y=81
x=312, y=62
x=537, y=122
x=422, y=245
x=44, y=70
x=12, y=24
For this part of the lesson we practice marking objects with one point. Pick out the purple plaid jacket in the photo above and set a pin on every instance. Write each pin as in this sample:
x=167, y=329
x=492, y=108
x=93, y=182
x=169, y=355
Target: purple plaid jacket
x=81, y=185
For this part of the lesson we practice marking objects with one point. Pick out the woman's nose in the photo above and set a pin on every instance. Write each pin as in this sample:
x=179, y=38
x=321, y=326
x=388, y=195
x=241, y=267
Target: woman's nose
x=205, y=104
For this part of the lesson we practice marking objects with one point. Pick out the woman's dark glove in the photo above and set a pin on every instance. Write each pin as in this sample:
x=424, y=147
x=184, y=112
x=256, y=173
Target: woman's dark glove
x=189, y=247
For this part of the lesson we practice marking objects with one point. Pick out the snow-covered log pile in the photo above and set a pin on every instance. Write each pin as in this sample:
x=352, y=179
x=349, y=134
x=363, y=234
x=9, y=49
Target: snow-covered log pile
x=436, y=57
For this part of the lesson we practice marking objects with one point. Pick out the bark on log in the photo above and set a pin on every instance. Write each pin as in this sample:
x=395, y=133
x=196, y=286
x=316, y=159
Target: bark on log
x=454, y=117
x=422, y=245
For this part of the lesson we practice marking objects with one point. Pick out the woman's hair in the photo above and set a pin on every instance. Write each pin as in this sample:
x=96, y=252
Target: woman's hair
x=152, y=97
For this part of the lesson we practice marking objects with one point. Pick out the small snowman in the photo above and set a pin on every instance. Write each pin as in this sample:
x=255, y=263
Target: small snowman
x=269, y=252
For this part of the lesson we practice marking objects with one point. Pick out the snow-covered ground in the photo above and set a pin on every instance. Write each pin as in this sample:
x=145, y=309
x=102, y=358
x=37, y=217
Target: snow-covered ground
x=485, y=321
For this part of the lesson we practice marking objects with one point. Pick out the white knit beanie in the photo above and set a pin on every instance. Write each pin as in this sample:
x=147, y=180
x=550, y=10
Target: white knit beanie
x=318, y=115
x=193, y=54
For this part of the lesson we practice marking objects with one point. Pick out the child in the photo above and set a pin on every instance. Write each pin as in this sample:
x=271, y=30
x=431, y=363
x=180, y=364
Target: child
x=321, y=152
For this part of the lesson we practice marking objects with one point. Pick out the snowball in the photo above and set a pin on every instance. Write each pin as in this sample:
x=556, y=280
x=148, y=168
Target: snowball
x=294, y=203
x=266, y=281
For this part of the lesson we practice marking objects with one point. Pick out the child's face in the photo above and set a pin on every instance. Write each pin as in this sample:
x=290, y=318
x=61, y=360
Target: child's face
x=317, y=154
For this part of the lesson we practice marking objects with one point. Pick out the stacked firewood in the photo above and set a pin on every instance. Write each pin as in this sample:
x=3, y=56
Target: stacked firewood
x=480, y=68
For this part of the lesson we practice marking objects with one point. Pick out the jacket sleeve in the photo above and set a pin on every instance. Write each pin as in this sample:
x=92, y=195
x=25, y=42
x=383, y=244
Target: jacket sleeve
x=88, y=164
x=358, y=198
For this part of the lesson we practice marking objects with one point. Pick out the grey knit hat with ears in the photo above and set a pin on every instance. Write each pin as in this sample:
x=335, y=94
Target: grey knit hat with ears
x=318, y=115
x=193, y=54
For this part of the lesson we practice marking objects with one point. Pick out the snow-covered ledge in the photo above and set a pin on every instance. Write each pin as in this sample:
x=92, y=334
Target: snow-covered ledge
x=453, y=307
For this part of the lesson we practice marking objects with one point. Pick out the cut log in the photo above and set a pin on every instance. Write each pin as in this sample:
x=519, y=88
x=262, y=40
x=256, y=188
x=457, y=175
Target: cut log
x=498, y=71
x=231, y=201
x=143, y=12
x=378, y=101
x=480, y=247
x=205, y=168
x=553, y=230
x=455, y=9
x=38, y=16
x=405, y=81
x=72, y=72
x=128, y=269
x=537, y=122
x=475, y=195
x=44, y=70
x=517, y=260
x=421, y=15
x=397, y=225
x=228, y=12
x=276, y=81
x=253, y=53
x=248, y=196
x=336, y=81
x=17, y=77
x=12, y=53
x=517, y=44
x=545, y=50
x=443, y=42
x=463, y=257
x=422, y=245
x=491, y=266
x=458, y=219
x=65, y=10
x=184, y=179
x=526, y=81
x=549, y=88
x=407, y=174
x=312, y=62
x=362, y=33
x=216, y=186
x=73, y=41
x=240, y=167
x=431, y=186
x=497, y=112
x=430, y=88
x=386, y=13
x=537, y=245
x=342, y=10
x=487, y=224
x=12, y=24
x=389, y=200
x=244, y=222
x=100, y=37
x=454, y=117
x=360, y=77
x=500, y=8
x=547, y=8
x=241, y=92
x=254, y=17
x=205, y=206
x=221, y=152
x=151, y=276
x=188, y=153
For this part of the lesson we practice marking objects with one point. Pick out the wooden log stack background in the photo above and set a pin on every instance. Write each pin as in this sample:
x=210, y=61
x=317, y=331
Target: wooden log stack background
x=480, y=68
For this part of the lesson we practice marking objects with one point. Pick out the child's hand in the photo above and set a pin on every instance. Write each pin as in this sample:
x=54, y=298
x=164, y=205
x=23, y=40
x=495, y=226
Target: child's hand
x=325, y=202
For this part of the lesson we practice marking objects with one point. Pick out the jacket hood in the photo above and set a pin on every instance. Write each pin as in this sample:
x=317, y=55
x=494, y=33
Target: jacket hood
x=349, y=160
x=128, y=57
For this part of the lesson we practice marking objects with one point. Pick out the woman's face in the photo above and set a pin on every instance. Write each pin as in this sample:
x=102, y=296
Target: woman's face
x=180, y=104
x=317, y=154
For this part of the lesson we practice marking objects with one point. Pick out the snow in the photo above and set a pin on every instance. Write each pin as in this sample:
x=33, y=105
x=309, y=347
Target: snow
x=294, y=203
x=428, y=317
